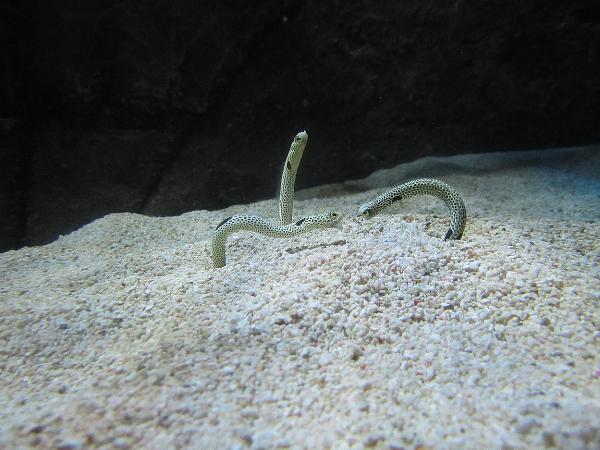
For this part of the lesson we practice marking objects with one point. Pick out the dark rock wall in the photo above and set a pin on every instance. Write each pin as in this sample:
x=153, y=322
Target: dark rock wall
x=161, y=107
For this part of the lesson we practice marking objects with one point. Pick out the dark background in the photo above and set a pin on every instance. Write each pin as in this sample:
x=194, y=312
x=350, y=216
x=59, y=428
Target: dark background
x=166, y=106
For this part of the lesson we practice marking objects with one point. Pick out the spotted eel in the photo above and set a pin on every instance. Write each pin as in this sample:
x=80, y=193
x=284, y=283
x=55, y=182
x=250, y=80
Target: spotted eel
x=428, y=186
x=286, y=204
x=257, y=224
x=288, y=177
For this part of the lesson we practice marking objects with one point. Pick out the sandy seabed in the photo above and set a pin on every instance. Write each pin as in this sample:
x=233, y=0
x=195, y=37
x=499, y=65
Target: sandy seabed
x=376, y=334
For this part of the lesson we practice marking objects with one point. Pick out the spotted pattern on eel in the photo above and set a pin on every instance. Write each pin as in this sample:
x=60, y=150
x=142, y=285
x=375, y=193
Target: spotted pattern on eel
x=427, y=186
x=257, y=224
x=286, y=204
x=288, y=177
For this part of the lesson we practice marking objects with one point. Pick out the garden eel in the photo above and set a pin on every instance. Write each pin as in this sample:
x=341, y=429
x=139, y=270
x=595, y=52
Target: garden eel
x=262, y=226
x=428, y=186
x=288, y=177
x=286, y=203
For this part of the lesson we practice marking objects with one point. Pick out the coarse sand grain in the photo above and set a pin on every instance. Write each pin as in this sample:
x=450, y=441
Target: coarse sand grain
x=375, y=334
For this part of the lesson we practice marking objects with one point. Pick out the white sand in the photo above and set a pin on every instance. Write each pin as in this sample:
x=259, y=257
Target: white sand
x=377, y=334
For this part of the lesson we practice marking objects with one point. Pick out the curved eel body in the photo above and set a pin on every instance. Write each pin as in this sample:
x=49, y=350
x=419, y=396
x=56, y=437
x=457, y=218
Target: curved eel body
x=256, y=224
x=288, y=177
x=427, y=186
